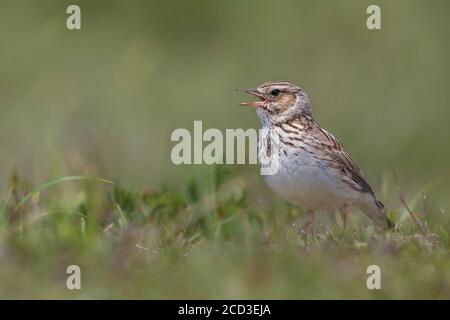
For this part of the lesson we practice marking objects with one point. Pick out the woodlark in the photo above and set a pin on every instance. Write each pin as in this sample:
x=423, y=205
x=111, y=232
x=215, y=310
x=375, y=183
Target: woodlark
x=314, y=172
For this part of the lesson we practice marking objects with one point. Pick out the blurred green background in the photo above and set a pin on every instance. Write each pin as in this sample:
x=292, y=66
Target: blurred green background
x=107, y=97
x=104, y=100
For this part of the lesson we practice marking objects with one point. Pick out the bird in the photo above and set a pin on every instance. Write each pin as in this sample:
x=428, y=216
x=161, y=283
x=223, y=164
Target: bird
x=314, y=171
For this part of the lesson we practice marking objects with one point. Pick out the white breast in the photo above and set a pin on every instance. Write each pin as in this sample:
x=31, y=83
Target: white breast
x=303, y=180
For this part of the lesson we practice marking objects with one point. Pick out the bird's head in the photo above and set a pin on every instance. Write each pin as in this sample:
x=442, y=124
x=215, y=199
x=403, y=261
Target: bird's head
x=279, y=100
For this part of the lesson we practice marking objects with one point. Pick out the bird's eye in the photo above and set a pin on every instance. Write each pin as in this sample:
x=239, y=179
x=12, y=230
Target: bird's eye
x=275, y=92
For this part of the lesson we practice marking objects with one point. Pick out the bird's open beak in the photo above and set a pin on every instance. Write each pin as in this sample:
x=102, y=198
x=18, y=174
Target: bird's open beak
x=253, y=92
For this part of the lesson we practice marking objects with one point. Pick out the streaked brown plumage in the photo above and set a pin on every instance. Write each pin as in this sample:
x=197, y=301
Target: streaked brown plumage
x=315, y=171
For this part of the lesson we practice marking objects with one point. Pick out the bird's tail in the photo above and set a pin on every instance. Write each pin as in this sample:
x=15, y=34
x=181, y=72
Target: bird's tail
x=375, y=211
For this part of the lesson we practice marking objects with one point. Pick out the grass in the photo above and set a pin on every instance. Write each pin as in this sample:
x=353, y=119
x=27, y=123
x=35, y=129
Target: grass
x=206, y=244
x=103, y=102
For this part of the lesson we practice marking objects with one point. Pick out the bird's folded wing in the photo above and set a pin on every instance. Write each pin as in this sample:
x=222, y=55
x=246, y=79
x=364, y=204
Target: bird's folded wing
x=341, y=159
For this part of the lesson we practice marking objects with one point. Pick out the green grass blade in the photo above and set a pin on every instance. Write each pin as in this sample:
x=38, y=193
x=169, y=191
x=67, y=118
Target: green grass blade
x=51, y=183
x=6, y=201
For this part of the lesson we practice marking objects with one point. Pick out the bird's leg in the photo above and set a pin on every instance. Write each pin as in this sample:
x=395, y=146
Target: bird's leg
x=309, y=221
x=344, y=214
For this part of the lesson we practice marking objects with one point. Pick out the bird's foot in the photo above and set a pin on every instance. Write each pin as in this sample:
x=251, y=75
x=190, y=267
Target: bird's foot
x=306, y=229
